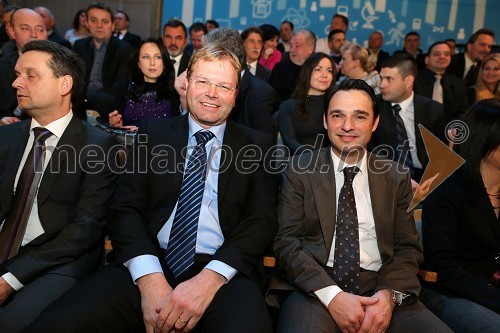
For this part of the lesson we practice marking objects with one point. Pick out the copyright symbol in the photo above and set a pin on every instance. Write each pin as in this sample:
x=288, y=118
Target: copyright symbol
x=457, y=131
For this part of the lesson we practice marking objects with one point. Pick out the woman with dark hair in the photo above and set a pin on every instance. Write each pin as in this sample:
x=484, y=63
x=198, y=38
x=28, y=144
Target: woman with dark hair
x=461, y=230
x=79, y=28
x=270, y=55
x=152, y=93
x=300, y=119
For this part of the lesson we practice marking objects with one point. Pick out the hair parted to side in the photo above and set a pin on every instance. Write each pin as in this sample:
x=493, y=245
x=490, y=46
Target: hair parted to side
x=99, y=5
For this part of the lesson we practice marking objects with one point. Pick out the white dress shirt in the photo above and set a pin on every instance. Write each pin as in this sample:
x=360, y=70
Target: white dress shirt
x=177, y=63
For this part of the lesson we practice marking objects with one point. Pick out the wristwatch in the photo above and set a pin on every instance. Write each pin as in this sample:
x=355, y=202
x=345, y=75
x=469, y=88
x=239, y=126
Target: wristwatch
x=398, y=296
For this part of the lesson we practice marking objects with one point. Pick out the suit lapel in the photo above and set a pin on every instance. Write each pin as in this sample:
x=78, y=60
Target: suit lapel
x=178, y=139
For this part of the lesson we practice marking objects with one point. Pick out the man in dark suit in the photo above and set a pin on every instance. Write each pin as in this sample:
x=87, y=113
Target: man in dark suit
x=211, y=290
x=122, y=24
x=106, y=60
x=50, y=25
x=412, y=46
x=466, y=65
x=375, y=43
x=20, y=19
x=401, y=111
x=175, y=40
x=196, y=32
x=433, y=82
x=252, y=38
x=59, y=226
x=346, y=244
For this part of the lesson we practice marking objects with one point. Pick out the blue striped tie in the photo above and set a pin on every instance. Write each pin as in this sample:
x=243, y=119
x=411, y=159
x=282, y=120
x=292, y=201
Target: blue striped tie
x=182, y=242
x=404, y=148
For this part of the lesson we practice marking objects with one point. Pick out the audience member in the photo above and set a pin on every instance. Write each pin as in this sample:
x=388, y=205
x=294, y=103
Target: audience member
x=196, y=31
x=50, y=25
x=4, y=37
x=411, y=46
x=339, y=22
x=285, y=74
x=466, y=65
x=401, y=111
x=79, y=30
x=348, y=249
x=461, y=233
x=9, y=45
x=106, y=62
x=356, y=64
x=488, y=82
x=269, y=56
x=252, y=37
x=175, y=40
x=336, y=40
x=435, y=83
x=233, y=217
x=152, y=93
x=300, y=119
x=122, y=25
x=375, y=43
x=52, y=233
x=453, y=45
x=211, y=24
x=25, y=25
x=286, y=29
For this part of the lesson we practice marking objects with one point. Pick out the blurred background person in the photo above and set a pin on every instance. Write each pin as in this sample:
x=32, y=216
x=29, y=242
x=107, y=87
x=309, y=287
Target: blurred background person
x=211, y=24
x=122, y=25
x=356, y=64
x=252, y=38
x=375, y=43
x=196, y=32
x=79, y=30
x=487, y=85
x=50, y=25
x=270, y=55
x=286, y=29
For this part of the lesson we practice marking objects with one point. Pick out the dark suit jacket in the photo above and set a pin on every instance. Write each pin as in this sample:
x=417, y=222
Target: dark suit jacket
x=461, y=237
x=453, y=92
x=8, y=99
x=71, y=200
x=381, y=57
x=57, y=38
x=428, y=113
x=284, y=79
x=262, y=72
x=254, y=104
x=307, y=217
x=184, y=62
x=457, y=68
x=132, y=39
x=246, y=197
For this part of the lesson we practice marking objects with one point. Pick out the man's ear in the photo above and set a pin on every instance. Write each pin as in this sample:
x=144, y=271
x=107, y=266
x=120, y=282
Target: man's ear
x=66, y=85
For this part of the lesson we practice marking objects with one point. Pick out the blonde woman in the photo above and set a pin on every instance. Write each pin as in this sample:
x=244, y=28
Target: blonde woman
x=488, y=79
x=356, y=64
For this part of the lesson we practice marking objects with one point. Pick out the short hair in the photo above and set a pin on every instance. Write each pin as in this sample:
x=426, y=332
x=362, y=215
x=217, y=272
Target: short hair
x=175, y=23
x=197, y=26
x=310, y=36
x=360, y=53
x=343, y=18
x=62, y=62
x=212, y=22
x=429, y=50
x=269, y=32
x=483, y=31
x=126, y=15
x=76, y=19
x=404, y=62
x=378, y=32
x=353, y=84
x=245, y=33
x=99, y=5
x=215, y=52
x=289, y=23
x=412, y=33
x=450, y=40
x=333, y=33
x=230, y=39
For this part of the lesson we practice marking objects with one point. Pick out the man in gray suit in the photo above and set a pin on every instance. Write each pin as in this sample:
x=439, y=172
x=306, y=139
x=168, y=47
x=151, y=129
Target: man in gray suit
x=346, y=244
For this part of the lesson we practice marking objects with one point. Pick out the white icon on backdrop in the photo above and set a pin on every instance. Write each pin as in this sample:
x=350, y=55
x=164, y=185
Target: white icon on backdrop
x=298, y=17
x=261, y=8
x=392, y=17
x=396, y=34
x=368, y=14
x=417, y=24
x=461, y=33
x=314, y=7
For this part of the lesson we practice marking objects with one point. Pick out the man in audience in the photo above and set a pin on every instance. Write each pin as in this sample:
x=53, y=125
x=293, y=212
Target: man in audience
x=196, y=31
x=435, y=83
x=285, y=74
x=411, y=46
x=231, y=220
x=25, y=25
x=106, y=61
x=252, y=38
x=339, y=22
x=9, y=45
x=3, y=32
x=453, y=45
x=286, y=29
x=336, y=39
x=122, y=24
x=401, y=111
x=50, y=25
x=211, y=24
x=466, y=65
x=375, y=42
x=175, y=40
x=349, y=249
x=52, y=233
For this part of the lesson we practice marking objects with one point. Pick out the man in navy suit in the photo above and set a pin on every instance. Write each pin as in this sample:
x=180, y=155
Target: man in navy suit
x=175, y=40
x=122, y=24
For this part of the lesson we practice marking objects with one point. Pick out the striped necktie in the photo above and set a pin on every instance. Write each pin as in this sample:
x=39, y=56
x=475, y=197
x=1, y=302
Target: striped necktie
x=403, y=149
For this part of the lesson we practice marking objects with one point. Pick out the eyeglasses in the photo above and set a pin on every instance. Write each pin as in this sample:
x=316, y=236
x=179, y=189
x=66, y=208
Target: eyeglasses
x=203, y=84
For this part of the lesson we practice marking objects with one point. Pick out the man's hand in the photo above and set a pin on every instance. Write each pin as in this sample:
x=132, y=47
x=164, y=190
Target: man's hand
x=9, y=120
x=378, y=316
x=154, y=288
x=184, y=307
x=5, y=290
x=115, y=119
x=348, y=310
x=180, y=86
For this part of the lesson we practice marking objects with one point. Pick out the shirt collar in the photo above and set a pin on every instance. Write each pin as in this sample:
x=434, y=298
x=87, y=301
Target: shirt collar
x=405, y=104
x=218, y=130
x=178, y=58
x=339, y=165
x=57, y=127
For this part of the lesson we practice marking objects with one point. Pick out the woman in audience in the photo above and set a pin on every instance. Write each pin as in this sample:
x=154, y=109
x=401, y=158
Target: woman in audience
x=270, y=55
x=152, y=93
x=79, y=28
x=461, y=230
x=356, y=64
x=300, y=119
x=488, y=79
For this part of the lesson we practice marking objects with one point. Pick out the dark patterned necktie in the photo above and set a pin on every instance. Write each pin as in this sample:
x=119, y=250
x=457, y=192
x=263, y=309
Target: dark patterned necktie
x=469, y=77
x=346, y=265
x=403, y=151
x=182, y=242
x=14, y=226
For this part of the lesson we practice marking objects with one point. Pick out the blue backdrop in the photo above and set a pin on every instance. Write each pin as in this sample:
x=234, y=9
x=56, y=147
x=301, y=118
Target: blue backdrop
x=434, y=20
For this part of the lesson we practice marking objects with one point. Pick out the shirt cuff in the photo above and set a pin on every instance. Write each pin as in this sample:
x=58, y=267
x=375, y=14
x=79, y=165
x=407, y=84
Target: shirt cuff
x=327, y=294
x=223, y=269
x=143, y=265
x=12, y=281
